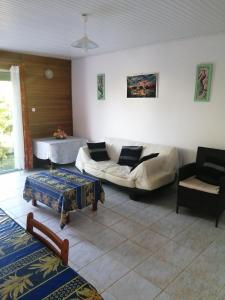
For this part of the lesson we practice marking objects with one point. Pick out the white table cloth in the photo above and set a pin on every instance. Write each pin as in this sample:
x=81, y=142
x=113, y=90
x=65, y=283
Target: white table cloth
x=58, y=151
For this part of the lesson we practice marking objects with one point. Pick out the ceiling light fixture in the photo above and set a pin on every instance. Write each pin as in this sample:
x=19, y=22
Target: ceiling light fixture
x=84, y=43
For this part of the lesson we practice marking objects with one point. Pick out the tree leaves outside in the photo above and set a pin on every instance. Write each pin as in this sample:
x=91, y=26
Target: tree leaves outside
x=6, y=148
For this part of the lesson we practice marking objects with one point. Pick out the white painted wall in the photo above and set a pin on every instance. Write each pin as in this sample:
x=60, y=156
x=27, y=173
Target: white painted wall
x=173, y=118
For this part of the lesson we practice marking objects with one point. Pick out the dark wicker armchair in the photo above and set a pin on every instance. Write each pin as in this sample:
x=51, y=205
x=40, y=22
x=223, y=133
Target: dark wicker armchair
x=201, y=185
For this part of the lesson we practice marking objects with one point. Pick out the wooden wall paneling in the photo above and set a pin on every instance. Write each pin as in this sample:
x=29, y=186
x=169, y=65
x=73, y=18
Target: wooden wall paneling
x=7, y=59
x=51, y=98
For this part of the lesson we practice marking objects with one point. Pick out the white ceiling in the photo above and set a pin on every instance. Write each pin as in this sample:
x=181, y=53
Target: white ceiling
x=48, y=27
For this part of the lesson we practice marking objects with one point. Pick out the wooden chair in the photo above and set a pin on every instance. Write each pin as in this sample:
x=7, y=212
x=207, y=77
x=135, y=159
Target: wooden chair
x=63, y=245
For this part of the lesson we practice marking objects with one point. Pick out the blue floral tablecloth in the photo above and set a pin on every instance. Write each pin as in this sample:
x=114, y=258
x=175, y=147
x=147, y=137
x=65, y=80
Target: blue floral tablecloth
x=29, y=270
x=63, y=190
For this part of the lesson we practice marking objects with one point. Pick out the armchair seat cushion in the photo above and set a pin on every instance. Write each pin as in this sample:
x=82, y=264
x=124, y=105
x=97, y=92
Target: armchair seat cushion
x=196, y=184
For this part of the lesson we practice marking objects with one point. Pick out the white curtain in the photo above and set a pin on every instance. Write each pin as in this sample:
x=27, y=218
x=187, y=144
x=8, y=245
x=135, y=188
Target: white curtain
x=17, y=118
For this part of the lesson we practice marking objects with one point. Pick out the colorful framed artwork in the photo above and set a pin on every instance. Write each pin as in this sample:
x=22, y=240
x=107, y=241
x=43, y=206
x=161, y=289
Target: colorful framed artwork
x=142, y=86
x=203, y=82
x=101, y=86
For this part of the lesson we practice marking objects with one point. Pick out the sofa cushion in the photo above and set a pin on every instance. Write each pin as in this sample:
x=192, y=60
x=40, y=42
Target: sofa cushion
x=144, y=158
x=97, y=169
x=130, y=155
x=110, y=171
x=98, y=151
x=211, y=171
x=196, y=184
x=119, y=175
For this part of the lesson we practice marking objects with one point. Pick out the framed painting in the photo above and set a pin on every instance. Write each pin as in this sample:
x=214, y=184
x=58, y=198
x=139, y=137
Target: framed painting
x=142, y=86
x=203, y=82
x=101, y=86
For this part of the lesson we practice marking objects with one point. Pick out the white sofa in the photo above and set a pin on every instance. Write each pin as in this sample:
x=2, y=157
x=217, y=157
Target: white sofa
x=149, y=175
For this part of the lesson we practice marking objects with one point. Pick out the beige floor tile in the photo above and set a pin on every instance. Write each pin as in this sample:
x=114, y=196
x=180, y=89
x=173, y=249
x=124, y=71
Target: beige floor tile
x=221, y=295
x=208, y=270
x=53, y=224
x=103, y=272
x=107, y=217
x=176, y=254
x=140, y=204
x=199, y=235
x=188, y=287
x=133, y=287
x=8, y=193
x=127, y=228
x=172, y=224
x=83, y=253
x=21, y=210
x=107, y=296
x=107, y=239
x=22, y=221
x=12, y=202
x=73, y=237
x=84, y=225
x=125, y=209
x=129, y=254
x=89, y=212
x=73, y=266
x=113, y=200
x=150, y=240
x=144, y=217
x=165, y=296
x=158, y=271
x=159, y=210
x=216, y=252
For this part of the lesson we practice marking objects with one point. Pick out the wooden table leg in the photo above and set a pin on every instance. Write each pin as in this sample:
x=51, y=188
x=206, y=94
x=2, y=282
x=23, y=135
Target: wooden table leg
x=95, y=206
x=34, y=202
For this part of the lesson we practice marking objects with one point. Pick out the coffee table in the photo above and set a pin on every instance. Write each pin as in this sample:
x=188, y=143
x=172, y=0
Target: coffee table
x=64, y=191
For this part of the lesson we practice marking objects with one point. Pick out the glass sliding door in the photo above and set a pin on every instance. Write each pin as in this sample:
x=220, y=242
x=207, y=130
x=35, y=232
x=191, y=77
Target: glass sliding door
x=11, y=125
x=7, y=162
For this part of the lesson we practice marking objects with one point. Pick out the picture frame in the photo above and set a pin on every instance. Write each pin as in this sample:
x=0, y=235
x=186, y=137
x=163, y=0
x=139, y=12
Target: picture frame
x=203, y=82
x=142, y=86
x=101, y=86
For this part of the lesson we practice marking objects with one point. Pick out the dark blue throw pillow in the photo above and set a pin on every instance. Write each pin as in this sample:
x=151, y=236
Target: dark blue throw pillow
x=144, y=158
x=130, y=155
x=98, y=151
x=211, y=171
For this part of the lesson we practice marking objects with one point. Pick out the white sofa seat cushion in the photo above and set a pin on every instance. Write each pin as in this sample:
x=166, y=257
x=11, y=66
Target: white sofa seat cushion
x=196, y=184
x=120, y=175
x=111, y=171
x=99, y=165
x=97, y=168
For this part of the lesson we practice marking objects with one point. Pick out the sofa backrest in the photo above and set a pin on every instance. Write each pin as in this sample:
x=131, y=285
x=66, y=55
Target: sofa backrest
x=115, y=146
x=203, y=154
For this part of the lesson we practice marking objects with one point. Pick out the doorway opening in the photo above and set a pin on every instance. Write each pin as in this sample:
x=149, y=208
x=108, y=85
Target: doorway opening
x=7, y=161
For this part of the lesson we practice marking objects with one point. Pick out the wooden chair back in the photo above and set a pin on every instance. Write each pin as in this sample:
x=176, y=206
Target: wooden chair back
x=63, y=245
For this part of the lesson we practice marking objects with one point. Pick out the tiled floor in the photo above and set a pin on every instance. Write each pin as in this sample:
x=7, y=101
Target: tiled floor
x=135, y=250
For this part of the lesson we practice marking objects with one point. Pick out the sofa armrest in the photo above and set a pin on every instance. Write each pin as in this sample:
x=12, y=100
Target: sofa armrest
x=186, y=171
x=83, y=156
x=153, y=173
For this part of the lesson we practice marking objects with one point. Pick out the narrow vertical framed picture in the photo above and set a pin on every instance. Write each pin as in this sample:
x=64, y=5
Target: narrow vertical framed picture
x=101, y=86
x=203, y=82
